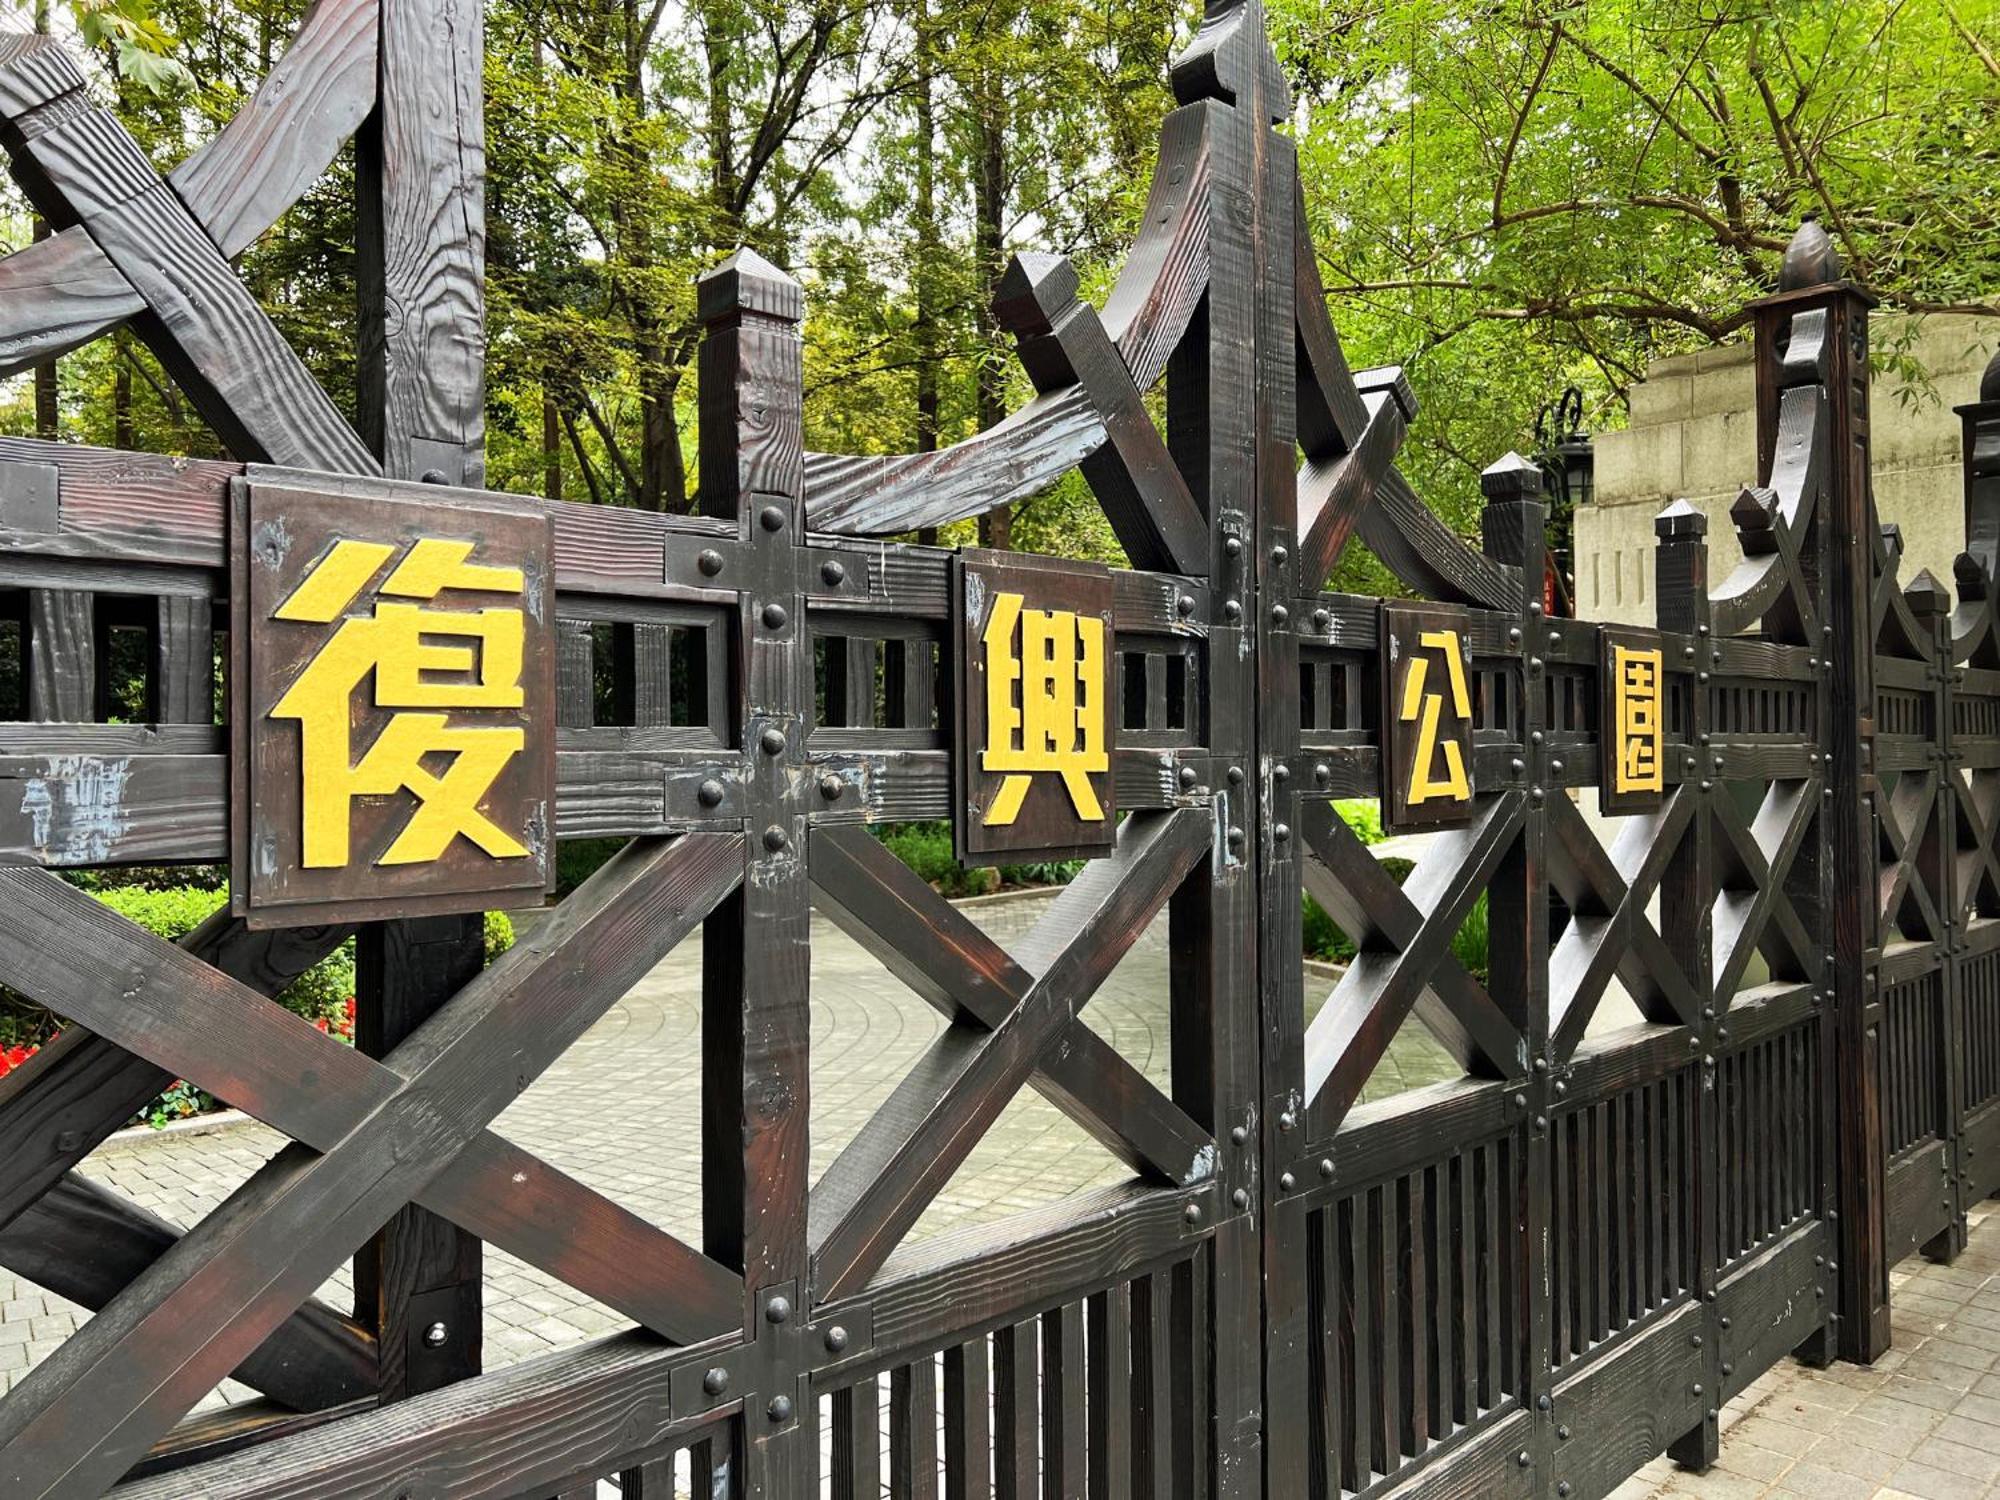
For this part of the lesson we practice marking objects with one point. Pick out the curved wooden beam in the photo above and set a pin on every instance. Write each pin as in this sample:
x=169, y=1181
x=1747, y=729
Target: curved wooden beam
x=1146, y=315
x=63, y=292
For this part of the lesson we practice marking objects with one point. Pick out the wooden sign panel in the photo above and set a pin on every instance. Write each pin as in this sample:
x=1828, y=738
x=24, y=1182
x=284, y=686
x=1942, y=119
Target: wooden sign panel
x=1632, y=720
x=1034, y=645
x=1426, y=716
x=392, y=701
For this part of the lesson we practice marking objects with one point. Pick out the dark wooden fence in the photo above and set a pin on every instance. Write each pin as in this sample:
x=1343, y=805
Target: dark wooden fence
x=1524, y=1282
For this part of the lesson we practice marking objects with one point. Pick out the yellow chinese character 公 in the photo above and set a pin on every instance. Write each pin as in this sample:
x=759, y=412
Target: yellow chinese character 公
x=1636, y=687
x=1058, y=725
x=1426, y=710
x=401, y=643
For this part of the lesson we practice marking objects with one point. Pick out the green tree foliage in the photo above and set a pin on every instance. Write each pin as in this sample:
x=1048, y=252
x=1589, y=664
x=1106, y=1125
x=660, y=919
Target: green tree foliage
x=1504, y=200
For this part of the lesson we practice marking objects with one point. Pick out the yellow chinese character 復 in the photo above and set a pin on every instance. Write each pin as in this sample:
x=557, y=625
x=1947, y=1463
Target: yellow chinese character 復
x=404, y=646
x=1053, y=660
x=1426, y=710
x=1636, y=691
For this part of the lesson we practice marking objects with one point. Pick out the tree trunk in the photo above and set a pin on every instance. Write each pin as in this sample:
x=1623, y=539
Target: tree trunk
x=989, y=213
x=552, y=478
x=121, y=391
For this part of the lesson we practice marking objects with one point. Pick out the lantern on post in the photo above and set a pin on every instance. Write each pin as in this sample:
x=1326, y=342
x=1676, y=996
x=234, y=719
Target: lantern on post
x=1563, y=450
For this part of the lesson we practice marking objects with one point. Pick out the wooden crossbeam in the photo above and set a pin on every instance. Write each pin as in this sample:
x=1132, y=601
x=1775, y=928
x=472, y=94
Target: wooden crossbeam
x=1351, y=1032
x=1616, y=936
x=879, y=1185
x=1350, y=883
x=1901, y=814
x=935, y=949
x=1765, y=850
x=82, y=1418
x=200, y=1025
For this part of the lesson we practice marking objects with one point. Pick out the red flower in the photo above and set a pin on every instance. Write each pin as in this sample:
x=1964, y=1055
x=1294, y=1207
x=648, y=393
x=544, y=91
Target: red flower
x=321, y=1023
x=12, y=1057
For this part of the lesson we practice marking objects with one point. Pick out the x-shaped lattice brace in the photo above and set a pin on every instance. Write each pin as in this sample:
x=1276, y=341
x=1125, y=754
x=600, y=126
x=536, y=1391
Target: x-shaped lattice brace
x=1014, y=1017
x=1752, y=912
x=1403, y=957
x=369, y=1138
x=1977, y=843
x=1910, y=856
x=82, y=168
x=1609, y=932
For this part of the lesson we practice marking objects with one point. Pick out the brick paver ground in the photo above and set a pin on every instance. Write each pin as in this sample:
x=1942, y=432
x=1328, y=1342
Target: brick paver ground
x=1922, y=1423
x=622, y=1112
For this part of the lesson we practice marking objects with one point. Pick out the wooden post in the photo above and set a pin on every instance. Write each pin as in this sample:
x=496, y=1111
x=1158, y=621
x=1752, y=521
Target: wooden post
x=421, y=242
x=756, y=970
x=1839, y=558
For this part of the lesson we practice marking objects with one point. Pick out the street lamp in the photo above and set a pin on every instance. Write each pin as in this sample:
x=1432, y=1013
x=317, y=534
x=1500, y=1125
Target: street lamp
x=1562, y=448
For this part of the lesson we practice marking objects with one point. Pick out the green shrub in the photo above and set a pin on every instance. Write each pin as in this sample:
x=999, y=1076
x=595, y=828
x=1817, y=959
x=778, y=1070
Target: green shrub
x=927, y=849
x=1323, y=938
x=1363, y=815
x=579, y=859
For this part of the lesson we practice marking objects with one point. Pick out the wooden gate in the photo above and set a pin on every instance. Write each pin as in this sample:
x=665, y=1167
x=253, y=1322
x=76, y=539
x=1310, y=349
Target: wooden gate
x=1524, y=1282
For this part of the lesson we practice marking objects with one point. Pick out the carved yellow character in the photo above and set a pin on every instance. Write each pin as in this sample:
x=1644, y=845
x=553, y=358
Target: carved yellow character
x=403, y=645
x=1636, y=688
x=1426, y=709
x=1056, y=660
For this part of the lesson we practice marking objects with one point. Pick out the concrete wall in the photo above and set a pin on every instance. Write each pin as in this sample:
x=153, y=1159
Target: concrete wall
x=1693, y=436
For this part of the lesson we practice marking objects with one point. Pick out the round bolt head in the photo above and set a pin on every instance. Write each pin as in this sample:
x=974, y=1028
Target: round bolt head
x=1279, y=614
x=775, y=616
x=1534, y=736
x=775, y=838
x=1188, y=776
x=709, y=793
x=1321, y=619
x=1555, y=768
x=1238, y=1135
x=433, y=476
x=771, y=518
x=710, y=562
x=1322, y=771
x=1236, y=838
x=1287, y=1120
x=831, y=786
x=1192, y=1213
x=1523, y=1458
x=833, y=572
x=1514, y=635
x=435, y=1335
x=1562, y=1488
x=1542, y=1402
x=1240, y=1198
x=1281, y=832
x=1184, y=606
x=1326, y=1168
x=1231, y=610
x=772, y=741
x=1562, y=1432
x=1236, y=776
x=836, y=1339
x=1232, y=546
x=1287, y=1182
x=1281, y=773
x=715, y=1381
x=780, y=1409
x=777, y=1310
x=1279, y=556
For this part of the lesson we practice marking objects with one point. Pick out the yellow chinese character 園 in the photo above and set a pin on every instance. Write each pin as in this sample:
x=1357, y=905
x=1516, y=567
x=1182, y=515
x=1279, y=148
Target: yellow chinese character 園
x=1635, y=676
x=1056, y=660
x=405, y=645
x=1426, y=710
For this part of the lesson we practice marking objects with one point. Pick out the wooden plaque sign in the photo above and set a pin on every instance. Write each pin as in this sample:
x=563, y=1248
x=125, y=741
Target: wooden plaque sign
x=1034, y=686
x=1426, y=716
x=392, y=701
x=1632, y=720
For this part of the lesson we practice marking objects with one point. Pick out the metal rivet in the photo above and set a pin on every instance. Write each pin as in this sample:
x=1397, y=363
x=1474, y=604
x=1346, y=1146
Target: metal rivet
x=716, y=1381
x=1192, y=1213
x=1534, y=794
x=1236, y=839
x=1240, y=1198
x=1562, y=1088
x=1279, y=614
x=830, y=787
x=1695, y=1388
x=1281, y=773
x=1562, y=1488
x=771, y=518
x=1514, y=636
x=709, y=793
x=1279, y=556
x=1520, y=1101
x=1541, y=1065
x=1701, y=676
x=1542, y=1402
x=435, y=1335
x=780, y=1409
x=775, y=838
x=1188, y=776
x=773, y=741
x=1541, y=1122
x=1534, y=664
x=1239, y=1135
x=1231, y=610
x=775, y=616
x=1321, y=619
x=1322, y=771
x=1236, y=776
x=777, y=1310
x=1184, y=605
x=1555, y=768
x=1555, y=640
x=710, y=562
x=1687, y=651
x=1287, y=1120
x=434, y=476
x=1723, y=1324
x=1287, y=1182
x=1523, y=1458
x=1694, y=1341
x=1281, y=832
x=1534, y=736
x=1517, y=766
x=833, y=572
x=1232, y=546
x=1326, y=1168
x=836, y=1339
x=1535, y=610
x=1728, y=1369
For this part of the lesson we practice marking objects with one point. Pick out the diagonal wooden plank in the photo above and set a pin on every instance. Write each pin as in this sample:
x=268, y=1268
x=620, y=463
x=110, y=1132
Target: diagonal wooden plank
x=1336, y=492
x=1372, y=909
x=84, y=1242
x=76, y=1091
x=937, y=951
x=1765, y=847
x=1354, y=1028
x=86, y=1415
x=875, y=1190
x=150, y=997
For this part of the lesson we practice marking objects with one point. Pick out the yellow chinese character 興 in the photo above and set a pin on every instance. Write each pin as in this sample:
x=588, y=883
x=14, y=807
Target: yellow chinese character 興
x=404, y=646
x=1055, y=658
x=1635, y=677
x=1426, y=710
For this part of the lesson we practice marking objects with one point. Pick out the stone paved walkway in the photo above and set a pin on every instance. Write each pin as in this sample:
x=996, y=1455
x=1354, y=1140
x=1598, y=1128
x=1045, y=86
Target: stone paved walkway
x=622, y=1111
x=1922, y=1423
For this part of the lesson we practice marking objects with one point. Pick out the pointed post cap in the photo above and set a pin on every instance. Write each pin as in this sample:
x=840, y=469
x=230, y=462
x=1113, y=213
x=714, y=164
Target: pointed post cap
x=1679, y=522
x=1892, y=540
x=1389, y=379
x=1810, y=259
x=1231, y=59
x=1511, y=477
x=1927, y=598
x=746, y=282
x=1035, y=290
x=1969, y=573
